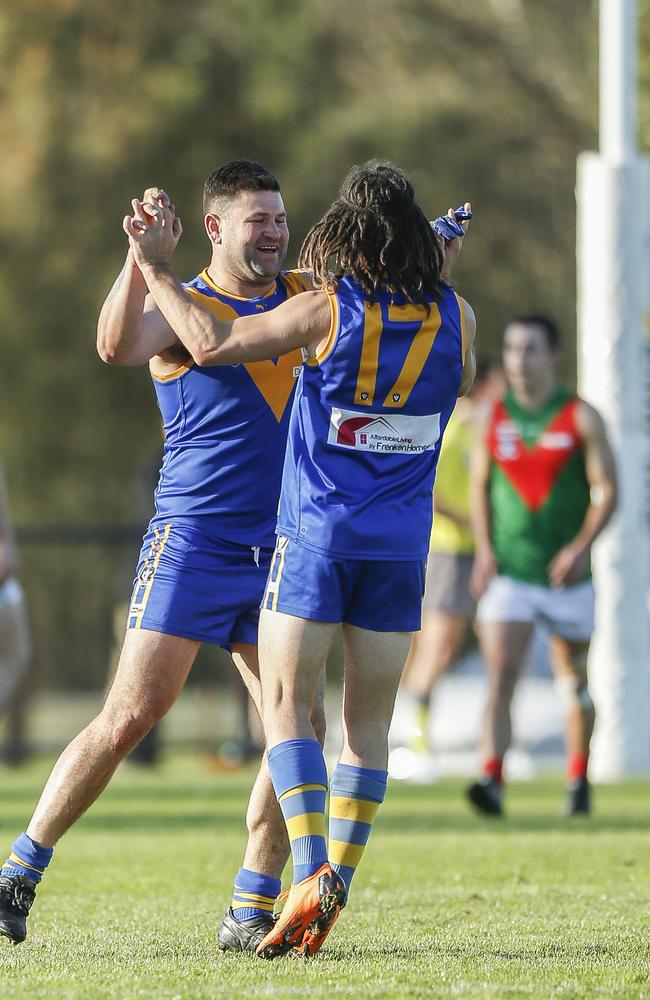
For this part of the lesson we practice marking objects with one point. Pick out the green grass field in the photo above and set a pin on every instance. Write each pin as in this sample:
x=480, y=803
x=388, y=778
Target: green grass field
x=444, y=905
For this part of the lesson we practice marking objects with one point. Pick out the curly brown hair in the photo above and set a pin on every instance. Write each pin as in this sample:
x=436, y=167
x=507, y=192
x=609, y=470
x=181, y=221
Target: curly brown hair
x=376, y=233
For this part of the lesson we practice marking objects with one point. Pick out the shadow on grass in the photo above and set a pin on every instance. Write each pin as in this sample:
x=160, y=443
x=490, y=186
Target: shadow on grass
x=166, y=822
x=233, y=822
x=534, y=807
x=402, y=822
x=110, y=815
x=424, y=950
x=136, y=799
x=556, y=951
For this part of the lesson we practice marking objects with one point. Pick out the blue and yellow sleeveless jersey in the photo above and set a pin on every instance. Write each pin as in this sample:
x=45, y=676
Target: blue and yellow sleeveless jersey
x=226, y=428
x=367, y=424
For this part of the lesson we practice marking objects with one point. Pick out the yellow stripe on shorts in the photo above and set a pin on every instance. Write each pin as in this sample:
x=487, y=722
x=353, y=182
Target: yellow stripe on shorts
x=159, y=545
x=273, y=585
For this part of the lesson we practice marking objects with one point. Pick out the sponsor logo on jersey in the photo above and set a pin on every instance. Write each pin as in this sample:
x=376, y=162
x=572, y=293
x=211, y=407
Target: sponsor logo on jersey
x=394, y=433
x=507, y=440
x=557, y=440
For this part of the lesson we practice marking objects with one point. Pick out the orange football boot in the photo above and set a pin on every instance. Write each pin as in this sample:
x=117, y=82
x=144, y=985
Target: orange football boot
x=316, y=933
x=311, y=908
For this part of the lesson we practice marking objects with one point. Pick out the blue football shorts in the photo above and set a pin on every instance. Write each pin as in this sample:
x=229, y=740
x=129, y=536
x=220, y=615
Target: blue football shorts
x=380, y=595
x=191, y=583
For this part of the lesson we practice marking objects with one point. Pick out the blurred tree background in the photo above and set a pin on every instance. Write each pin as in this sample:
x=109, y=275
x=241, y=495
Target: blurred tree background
x=489, y=101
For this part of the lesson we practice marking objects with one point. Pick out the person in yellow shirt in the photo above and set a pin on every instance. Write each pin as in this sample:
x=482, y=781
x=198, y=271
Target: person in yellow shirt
x=448, y=608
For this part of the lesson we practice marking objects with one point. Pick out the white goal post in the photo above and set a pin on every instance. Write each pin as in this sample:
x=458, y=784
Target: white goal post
x=613, y=259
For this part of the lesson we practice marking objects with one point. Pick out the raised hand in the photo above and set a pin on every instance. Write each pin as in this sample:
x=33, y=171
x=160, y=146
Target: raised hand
x=154, y=229
x=450, y=230
x=154, y=199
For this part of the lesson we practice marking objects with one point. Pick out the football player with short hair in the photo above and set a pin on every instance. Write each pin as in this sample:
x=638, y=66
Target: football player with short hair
x=544, y=487
x=389, y=347
x=206, y=554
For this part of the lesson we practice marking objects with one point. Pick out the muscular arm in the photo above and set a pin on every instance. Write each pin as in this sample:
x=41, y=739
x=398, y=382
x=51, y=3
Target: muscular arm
x=300, y=321
x=452, y=514
x=571, y=562
x=601, y=474
x=469, y=361
x=484, y=562
x=131, y=330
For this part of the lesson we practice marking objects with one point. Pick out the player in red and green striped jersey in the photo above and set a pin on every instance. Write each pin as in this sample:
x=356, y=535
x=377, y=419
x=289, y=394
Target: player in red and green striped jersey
x=543, y=488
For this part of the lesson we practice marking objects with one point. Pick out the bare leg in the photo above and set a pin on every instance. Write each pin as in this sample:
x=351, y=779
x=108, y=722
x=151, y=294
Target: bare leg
x=373, y=665
x=569, y=660
x=373, y=662
x=14, y=649
x=16, y=747
x=293, y=651
x=267, y=849
x=503, y=645
x=434, y=650
x=151, y=673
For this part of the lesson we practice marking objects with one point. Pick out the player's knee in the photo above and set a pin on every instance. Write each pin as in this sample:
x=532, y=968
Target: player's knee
x=366, y=731
x=448, y=653
x=574, y=692
x=319, y=722
x=127, y=731
x=502, y=686
x=273, y=699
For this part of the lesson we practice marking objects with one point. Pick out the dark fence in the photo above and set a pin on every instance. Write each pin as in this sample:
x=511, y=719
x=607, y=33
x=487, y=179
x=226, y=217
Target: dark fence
x=77, y=581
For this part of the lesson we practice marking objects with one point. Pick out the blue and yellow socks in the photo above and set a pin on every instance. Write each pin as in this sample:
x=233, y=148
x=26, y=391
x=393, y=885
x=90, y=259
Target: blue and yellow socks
x=254, y=894
x=355, y=796
x=27, y=858
x=299, y=778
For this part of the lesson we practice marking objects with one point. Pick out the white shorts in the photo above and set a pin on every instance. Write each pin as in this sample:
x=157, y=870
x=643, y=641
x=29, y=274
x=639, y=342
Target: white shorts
x=568, y=613
x=11, y=593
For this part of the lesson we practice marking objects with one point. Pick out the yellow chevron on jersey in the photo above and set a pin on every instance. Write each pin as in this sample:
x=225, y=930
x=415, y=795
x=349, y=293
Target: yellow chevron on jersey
x=226, y=426
x=275, y=380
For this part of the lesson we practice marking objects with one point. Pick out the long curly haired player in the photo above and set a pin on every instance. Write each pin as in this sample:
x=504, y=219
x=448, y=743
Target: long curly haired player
x=389, y=349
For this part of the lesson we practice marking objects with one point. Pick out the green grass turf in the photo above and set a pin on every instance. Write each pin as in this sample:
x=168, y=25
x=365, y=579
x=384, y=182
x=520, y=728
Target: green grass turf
x=446, y=904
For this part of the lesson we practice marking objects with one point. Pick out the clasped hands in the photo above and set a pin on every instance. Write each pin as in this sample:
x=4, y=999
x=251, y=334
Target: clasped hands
x=153, y=230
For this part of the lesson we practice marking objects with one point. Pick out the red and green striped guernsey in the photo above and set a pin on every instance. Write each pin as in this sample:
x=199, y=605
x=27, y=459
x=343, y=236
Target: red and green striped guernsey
x=539, y=492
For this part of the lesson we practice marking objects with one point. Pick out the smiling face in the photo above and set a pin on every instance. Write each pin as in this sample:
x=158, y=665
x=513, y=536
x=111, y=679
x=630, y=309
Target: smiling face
x=250, y=236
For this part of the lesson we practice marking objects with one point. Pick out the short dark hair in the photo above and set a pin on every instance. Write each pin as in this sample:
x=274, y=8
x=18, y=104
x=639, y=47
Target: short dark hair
x=485, y=367
x=376, y=233
x=231, y=178
x=545, y=323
